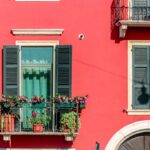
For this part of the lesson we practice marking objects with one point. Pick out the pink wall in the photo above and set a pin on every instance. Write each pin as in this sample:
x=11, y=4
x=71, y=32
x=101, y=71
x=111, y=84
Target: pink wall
x=99, y=63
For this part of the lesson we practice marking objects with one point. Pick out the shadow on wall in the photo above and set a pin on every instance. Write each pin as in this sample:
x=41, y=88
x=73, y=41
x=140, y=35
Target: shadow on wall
x=119, y=11
x=115, y=17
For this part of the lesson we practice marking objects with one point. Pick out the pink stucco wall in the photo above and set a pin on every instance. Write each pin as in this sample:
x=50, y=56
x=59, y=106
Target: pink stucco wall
x=99, y=64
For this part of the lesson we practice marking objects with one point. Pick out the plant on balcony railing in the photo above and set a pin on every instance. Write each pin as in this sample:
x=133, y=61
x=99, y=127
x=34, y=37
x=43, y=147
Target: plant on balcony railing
x=81, y=101
x=8, y=102
x=37, y=99
x=39, y=121
x=69, y=122
x=64, y=101
x=7, y=115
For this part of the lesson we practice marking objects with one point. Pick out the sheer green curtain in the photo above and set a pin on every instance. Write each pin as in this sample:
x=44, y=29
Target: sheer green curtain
x=36, y=78
x=36, y=70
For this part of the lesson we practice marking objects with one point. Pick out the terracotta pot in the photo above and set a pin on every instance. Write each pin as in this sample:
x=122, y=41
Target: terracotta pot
x=7, y=123
x=38, y=127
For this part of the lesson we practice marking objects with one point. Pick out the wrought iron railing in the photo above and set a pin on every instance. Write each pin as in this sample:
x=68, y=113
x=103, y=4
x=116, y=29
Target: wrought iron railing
x=131, y=13
x=22, y=116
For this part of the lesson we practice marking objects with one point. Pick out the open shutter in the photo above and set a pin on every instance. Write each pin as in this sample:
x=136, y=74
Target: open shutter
x=10, y=70
x=63, y=69
x=140, y=77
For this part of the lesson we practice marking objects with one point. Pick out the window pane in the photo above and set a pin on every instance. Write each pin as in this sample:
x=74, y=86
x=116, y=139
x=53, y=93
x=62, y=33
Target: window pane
x=36, y=55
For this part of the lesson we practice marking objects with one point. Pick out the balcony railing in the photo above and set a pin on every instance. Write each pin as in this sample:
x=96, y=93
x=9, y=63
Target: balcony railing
x=23, y=115
x=124, y=16
x=132, y=13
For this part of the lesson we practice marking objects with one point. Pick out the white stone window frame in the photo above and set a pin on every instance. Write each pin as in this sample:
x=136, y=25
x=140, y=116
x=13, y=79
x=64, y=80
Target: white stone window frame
x=130, y=110
x=38, y=43
x=37, y=0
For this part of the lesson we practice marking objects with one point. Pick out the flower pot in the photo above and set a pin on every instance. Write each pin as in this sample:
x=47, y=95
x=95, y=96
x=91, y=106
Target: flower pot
x=7, y=123
x=38, y=127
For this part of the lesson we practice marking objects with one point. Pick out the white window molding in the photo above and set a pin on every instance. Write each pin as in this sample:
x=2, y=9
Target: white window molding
x=37, y=31
x=130, y=110
x=37, y=0
x=123, y=134
x=52, y=43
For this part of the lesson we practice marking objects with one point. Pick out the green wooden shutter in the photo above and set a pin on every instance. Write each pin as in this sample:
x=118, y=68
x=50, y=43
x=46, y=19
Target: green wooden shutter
x=10, y=70
x=64, y=69
x=140, y=76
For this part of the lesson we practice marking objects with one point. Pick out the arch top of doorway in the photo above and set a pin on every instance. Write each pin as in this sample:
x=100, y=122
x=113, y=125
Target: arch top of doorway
x=124, y=133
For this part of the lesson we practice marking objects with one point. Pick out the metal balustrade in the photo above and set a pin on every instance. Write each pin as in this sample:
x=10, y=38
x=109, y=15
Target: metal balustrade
x=22, y=115
x=131, y=13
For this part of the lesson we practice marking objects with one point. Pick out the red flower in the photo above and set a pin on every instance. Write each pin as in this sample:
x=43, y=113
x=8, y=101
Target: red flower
x=34, y=114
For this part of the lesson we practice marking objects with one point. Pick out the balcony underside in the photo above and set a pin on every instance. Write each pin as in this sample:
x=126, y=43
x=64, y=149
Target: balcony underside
x=124, y=24
x=37, y=133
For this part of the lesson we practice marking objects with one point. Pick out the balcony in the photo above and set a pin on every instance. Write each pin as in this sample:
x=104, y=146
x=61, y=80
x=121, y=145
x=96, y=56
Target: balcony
x=23, y=124
x=126, y=15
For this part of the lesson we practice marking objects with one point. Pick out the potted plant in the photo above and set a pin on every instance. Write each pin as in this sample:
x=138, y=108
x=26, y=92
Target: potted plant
x=7, y=116
x=69, y=123
x=81, y=101
x=65, y=101
x=37, y=99
x=38, y=121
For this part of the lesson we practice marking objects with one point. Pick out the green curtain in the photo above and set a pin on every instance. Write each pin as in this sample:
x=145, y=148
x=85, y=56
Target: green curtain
x=36, y=78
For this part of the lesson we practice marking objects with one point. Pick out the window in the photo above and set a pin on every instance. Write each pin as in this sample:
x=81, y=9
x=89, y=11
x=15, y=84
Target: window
x=139, y=77
x=37, y=70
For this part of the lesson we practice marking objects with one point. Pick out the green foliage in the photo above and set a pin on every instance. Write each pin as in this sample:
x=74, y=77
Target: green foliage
x=39, y=119
x=7, y=102
x=70, y=122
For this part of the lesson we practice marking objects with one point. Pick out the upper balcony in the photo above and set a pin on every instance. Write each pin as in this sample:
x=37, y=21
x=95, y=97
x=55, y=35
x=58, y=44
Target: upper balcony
x=132, y=13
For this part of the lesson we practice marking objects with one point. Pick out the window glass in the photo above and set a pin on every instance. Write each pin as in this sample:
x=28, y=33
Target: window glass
x=36, y=71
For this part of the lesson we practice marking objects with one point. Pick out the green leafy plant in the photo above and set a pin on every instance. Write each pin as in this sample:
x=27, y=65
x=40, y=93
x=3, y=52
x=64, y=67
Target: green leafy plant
x=69, y=122
x=77, y=100
x=7, y=102
x=39, y=118
x=37, y=99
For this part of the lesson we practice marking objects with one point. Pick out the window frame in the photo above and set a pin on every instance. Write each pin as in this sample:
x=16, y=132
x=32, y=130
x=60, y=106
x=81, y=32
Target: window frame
x=37, y=43
x=37, y=0
x=130, y=110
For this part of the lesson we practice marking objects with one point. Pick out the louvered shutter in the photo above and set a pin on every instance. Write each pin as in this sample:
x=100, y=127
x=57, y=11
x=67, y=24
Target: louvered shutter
x=10, y=70
x=140, y=10
x=140, y=76
x=64, y=69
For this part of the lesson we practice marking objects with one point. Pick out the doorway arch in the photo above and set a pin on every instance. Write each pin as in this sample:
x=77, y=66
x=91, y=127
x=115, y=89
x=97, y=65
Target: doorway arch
x=126, y=132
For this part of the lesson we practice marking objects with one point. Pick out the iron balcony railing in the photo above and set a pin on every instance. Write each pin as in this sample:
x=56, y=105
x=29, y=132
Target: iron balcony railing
x=131, y=13
x=22, y=117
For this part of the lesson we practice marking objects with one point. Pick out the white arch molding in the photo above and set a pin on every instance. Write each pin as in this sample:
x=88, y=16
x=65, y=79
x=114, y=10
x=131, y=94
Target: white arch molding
x=132, y=129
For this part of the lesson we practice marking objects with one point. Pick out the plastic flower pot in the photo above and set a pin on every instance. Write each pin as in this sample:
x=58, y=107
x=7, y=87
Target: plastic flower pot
x=38, y=127
x=7, y=123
